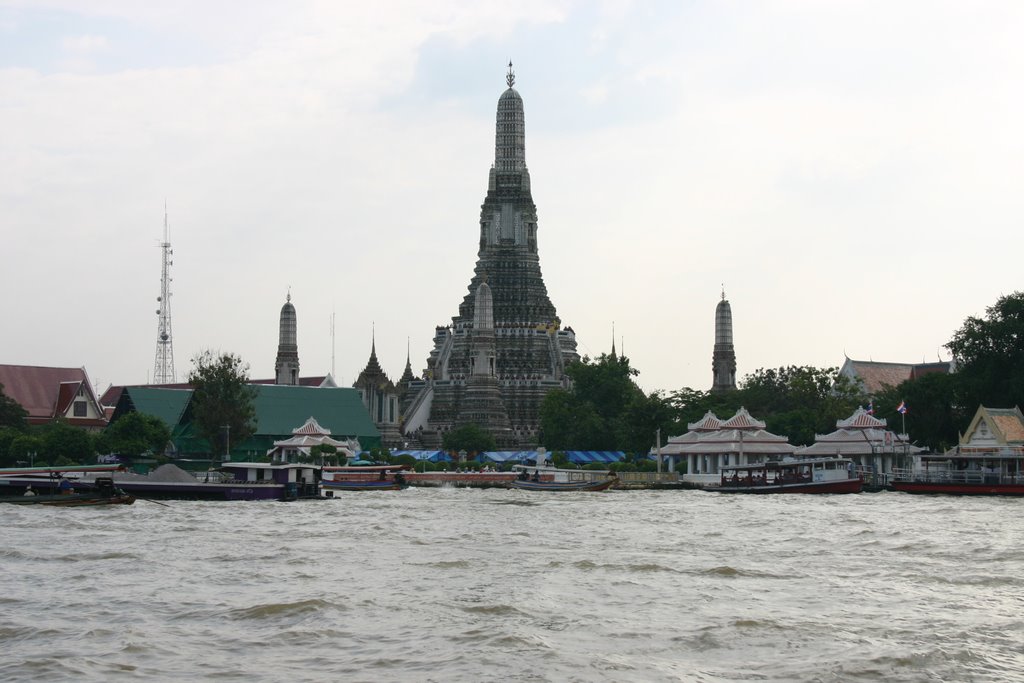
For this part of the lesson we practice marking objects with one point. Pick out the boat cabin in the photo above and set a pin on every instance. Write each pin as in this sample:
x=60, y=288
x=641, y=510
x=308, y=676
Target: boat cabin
x=788, y=473
x=300, y=480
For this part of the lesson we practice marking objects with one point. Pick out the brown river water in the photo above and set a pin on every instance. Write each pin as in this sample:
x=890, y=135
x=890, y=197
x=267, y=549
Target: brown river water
x=498, y=585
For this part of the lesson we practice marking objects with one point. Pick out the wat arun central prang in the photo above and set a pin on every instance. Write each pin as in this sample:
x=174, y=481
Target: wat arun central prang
x=506, y=348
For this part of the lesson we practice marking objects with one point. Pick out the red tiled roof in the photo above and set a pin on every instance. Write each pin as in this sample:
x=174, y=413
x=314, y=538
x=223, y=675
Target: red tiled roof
x=877, y=376
x=742, y=420
x=861, y=420
x=709, y=422
x=40, y=390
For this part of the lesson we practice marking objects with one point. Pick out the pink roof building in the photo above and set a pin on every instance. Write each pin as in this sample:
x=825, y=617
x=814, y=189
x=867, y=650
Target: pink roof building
x=51, y=393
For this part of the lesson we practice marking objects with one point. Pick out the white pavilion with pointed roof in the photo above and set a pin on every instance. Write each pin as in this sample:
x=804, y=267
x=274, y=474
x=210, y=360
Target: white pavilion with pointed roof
x=863, y=438
x=307, y=436
x=712, y=444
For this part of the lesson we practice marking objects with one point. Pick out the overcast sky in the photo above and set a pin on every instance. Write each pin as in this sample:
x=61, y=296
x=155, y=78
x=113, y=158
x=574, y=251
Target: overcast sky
x=851, y=171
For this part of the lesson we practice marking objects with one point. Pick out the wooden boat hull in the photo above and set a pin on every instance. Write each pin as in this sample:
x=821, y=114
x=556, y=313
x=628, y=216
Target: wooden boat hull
x=70, y=500
x=958, y=488
x=838, y=486
x=564, y=486
x=361, y=486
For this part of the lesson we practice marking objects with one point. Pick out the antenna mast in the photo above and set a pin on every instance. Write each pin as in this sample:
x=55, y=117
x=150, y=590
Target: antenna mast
x=163, y=367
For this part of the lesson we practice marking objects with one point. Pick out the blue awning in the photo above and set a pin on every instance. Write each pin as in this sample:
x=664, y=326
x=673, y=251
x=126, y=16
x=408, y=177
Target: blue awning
x=432, y=456
x=508, y=456
x=586, y=457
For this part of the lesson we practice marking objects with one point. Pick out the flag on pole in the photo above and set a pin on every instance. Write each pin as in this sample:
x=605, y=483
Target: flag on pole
x=902, y=408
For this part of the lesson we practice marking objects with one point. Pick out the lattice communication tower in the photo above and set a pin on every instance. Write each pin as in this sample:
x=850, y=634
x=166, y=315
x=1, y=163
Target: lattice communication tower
x=163, y=368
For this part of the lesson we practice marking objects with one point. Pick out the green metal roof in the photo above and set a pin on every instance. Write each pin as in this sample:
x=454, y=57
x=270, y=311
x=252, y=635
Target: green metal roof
x=281, y=408
x=166, y=404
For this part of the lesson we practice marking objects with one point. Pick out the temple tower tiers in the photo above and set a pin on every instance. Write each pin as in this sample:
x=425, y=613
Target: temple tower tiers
x=287, y=366
x=723, y=363
x=481, y=403
x=380, y=397
x=531, y=349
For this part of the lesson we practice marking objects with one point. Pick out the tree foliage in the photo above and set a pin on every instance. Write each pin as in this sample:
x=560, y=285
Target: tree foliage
x=134, y=434
x=11, y=412
x=794, y=401
x=604, y=410
x=936, y=411
x=470, y=438
x=223, y=408
x=989, y=355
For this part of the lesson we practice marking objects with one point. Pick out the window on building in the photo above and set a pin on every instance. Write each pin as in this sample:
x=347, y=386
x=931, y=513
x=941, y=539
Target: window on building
x=80, y=409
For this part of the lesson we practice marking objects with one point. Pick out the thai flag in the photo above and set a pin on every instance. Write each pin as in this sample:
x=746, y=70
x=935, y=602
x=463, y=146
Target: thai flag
x=901, y=408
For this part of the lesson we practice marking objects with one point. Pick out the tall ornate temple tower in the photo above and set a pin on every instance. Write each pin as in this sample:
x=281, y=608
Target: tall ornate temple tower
x=723, y=363
x=530, y=349
x=287, y=365
x=380, y=398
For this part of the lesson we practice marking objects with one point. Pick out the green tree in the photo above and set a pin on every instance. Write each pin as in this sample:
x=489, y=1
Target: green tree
x=989, y=355
x=470, y=438
x=936, y=410
x=799, y=401
x=7, y=437
x=222, y=403
x=11, y=412
x=603, y=411
x=570, y=422
x=26, y=449
x=134, y=434
x=642, y=418
x=63, y=443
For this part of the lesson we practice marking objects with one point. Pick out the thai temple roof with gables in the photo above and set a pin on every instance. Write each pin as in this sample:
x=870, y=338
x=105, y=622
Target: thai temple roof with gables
x=312, y=428
x=742, y=420
x=861, y=419
x=739, y=434
x=709, y=422
x=874, y=376
x=860, y=434
x=993, y=429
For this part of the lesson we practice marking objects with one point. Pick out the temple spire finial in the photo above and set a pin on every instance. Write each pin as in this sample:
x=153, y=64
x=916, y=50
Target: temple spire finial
x=510, y=78
x=288, y=297
x=723, y=291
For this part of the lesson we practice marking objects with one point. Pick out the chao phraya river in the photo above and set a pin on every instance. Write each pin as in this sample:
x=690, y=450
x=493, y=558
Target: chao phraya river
x=497, y=585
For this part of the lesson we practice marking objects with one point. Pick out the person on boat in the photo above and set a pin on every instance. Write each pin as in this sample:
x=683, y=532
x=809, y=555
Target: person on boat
x=536, y=475
x=523, y=475
x=65, y=486
x=29, y=491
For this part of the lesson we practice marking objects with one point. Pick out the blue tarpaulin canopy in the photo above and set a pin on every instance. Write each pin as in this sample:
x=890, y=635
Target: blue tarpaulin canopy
x=587, y=457
x=509, y=456
x=432, y=456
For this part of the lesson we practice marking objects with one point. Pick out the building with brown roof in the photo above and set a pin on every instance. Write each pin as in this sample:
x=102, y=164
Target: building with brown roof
x=48, y=394
x=994, y=429
x=874, y=376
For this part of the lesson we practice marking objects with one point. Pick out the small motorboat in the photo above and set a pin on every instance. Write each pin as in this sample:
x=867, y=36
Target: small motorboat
x=371, y=478
x=102, y=492
x=530, y=485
